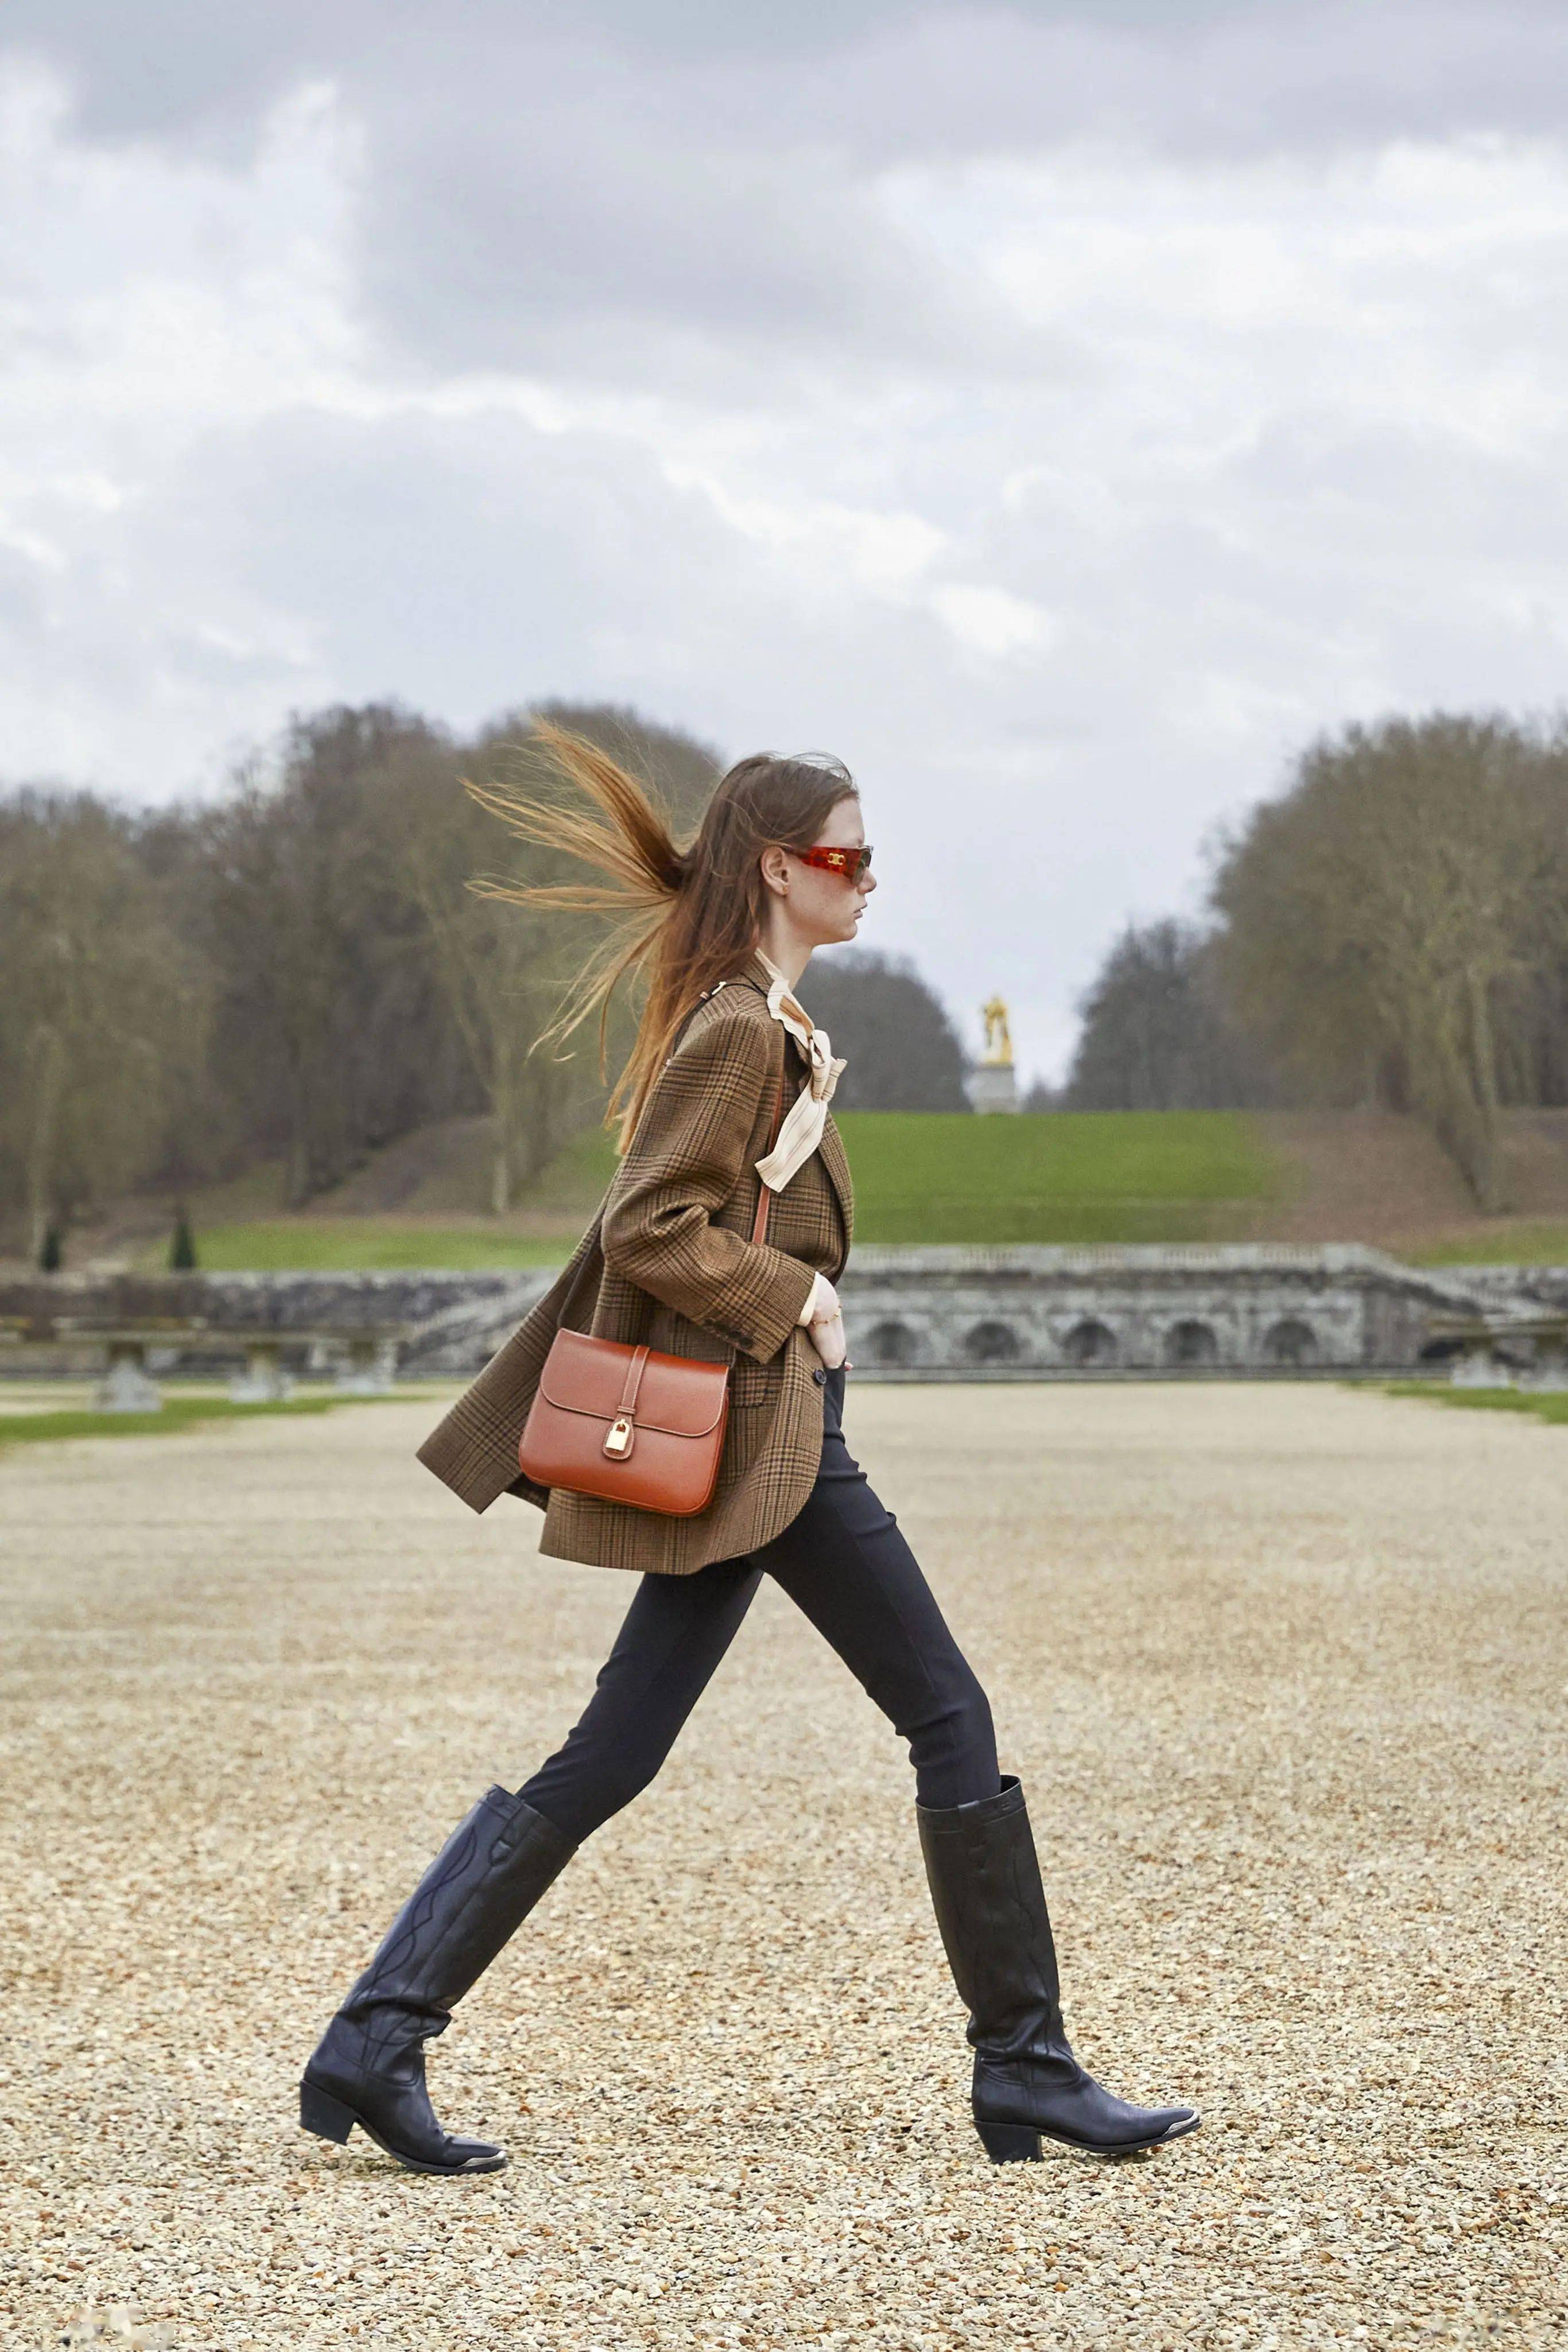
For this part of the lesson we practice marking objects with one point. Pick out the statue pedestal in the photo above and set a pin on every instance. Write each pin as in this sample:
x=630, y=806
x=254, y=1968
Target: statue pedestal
x=993, y=1085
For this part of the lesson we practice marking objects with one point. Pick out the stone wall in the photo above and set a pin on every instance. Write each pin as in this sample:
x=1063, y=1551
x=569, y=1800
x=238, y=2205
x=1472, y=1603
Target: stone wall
x=1027, y=1313
x=1527, y=1288
x=450, y=1323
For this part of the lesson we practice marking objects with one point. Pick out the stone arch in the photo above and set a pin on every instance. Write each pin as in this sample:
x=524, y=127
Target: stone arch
x=888, y=1342
x=1290, y=1341
x=1089, y=1342
x=1191, y=1343
x=992, y=1343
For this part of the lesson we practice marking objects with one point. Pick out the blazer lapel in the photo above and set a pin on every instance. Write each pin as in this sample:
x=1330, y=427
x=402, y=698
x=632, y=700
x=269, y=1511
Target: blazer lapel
x=831, y=1152
x=832, y=1157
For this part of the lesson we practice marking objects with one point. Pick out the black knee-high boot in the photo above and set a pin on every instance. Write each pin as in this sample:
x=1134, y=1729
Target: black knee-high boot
x=369, y=2067
x=990, y=1908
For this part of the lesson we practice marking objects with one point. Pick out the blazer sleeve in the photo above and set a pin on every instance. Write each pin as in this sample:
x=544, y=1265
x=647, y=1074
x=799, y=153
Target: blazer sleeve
x=691, y=1154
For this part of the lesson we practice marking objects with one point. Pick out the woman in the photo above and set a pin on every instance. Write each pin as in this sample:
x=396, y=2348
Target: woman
x=723, y=931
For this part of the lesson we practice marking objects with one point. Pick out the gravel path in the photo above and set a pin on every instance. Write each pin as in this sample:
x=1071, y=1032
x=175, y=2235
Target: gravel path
x=1283, y=1669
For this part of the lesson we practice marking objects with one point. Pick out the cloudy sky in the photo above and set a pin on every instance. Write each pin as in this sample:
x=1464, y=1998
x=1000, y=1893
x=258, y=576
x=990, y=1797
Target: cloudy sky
x=1060, y=411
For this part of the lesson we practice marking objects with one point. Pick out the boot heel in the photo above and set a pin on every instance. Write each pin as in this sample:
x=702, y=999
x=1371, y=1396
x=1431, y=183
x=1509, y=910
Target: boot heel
x=1010, y=2143
x=326, y=2116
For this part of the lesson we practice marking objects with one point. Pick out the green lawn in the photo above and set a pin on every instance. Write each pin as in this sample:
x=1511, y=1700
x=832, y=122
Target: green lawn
x=369, y=1245
x=1549, y=1405
x=575, y=1180
x=179, y=1414
x=1059, y=1176
x=1091, y=1176
x=1504, y=1241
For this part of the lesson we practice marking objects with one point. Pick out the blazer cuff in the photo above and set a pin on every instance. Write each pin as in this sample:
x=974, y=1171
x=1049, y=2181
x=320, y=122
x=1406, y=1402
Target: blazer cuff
x=778, y=1307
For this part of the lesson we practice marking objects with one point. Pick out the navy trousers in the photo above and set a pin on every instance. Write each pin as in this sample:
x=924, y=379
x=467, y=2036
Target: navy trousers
x=845, y=1564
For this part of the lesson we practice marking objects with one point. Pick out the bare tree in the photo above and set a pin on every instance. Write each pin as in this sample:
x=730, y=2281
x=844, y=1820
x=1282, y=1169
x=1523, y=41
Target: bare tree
x=497, y=966
x=1389, y=921
x=300, y=972
x=1156, y=1034
x=903, y=1050
x=330, y=1009
x=102, y=1015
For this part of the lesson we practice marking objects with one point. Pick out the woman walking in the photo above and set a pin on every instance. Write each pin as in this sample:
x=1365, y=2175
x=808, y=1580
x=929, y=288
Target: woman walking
x=726, y=1136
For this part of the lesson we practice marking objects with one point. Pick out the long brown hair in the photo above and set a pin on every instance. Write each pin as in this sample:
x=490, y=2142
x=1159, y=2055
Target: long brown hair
x=684, y=916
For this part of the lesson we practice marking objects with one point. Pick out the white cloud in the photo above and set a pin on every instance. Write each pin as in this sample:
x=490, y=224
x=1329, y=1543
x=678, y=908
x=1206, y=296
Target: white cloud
x=990, y=622
x=1062, y=481
x=835, y=548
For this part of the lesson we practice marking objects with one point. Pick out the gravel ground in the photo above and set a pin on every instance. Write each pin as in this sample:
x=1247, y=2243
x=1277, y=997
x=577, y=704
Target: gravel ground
x=1283, y=1669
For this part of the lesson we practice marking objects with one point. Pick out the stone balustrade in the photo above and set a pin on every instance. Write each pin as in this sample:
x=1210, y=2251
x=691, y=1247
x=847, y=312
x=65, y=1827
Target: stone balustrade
x=1238, y=1311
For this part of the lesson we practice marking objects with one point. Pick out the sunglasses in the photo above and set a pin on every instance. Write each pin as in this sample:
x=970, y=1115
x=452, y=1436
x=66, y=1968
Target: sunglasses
x=850, y=863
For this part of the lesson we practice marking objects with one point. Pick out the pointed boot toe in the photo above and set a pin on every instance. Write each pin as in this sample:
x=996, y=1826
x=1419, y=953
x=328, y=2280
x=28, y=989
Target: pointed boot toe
x=395, y=2113
x=1049, y=2095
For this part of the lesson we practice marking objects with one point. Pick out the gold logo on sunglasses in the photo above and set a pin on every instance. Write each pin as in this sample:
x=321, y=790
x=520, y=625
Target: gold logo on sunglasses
x=850, y=863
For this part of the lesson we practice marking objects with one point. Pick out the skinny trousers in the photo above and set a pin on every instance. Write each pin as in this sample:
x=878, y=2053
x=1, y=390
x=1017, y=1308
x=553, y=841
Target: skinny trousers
x=845, y=1564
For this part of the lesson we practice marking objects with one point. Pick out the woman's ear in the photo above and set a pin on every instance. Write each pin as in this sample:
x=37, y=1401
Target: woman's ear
x=775, y=870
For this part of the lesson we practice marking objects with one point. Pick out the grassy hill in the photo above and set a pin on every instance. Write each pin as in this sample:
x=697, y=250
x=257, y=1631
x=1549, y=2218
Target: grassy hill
x=1091, y=1177
x=1067, y=1176
x=919, y=1177
x=414, y=1204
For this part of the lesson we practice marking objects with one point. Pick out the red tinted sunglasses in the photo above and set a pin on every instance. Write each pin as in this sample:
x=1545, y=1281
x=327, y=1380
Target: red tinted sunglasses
x=850, y=863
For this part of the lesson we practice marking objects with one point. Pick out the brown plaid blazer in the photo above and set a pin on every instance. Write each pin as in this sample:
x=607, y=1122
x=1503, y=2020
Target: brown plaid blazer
x=669, y=1260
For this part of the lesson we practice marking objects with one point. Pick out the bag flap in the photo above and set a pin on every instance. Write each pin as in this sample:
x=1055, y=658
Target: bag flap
x=677, y=1396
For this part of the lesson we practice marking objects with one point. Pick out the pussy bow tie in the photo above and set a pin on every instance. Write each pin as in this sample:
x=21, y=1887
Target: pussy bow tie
x=807, y=1115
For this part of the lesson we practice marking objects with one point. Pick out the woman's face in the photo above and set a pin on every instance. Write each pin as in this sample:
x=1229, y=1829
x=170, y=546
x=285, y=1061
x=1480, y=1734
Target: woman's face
x=825, y=907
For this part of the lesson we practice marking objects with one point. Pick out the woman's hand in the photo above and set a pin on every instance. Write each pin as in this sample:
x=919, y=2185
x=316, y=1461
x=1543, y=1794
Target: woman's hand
x=823, y=1319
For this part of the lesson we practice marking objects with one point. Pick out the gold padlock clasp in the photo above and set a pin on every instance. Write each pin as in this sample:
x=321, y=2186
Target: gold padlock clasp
x=618, y=1440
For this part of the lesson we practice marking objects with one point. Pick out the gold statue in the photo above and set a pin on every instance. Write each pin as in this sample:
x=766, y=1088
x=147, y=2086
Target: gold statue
x=998, y=1053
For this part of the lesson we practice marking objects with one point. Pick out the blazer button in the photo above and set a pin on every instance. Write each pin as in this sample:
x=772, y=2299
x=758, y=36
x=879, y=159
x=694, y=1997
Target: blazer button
x=820, y=1376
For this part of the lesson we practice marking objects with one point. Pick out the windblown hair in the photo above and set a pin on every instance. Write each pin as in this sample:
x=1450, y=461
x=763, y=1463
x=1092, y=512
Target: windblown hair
x=682, y=916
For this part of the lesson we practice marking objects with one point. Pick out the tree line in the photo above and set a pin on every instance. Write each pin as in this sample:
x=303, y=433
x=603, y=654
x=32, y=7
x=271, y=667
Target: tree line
x=300, y=972
x=1392, y=930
